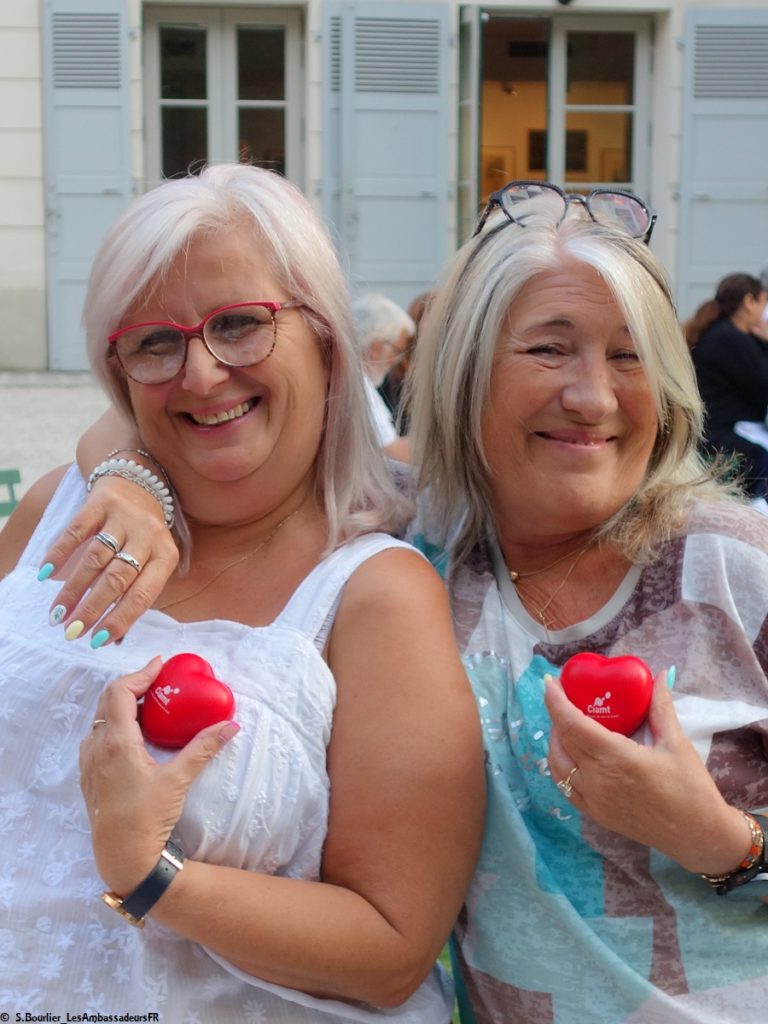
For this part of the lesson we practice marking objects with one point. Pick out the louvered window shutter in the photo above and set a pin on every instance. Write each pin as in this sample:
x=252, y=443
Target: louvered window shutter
x=87, y=154
x=723, y=226
x=730, y=62
x=386, y=151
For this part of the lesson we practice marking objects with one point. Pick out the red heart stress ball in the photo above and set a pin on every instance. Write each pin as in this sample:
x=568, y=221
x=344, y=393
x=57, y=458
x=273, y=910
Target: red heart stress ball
x=185, y=698
x=616, y=692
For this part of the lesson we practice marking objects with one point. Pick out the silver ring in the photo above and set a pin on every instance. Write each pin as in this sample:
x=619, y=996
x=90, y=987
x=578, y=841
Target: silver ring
x=98, y=721
x=564, y=785
x=125, y=557
x=108, y=541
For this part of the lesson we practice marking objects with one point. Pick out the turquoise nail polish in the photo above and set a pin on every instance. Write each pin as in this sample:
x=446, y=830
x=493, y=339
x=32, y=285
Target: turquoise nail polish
x=57, y=614
x=671, y=676
x=45, y=571
x=99, y=639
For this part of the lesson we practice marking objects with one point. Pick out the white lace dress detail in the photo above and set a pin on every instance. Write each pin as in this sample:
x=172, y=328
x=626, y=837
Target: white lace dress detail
x=261, y=805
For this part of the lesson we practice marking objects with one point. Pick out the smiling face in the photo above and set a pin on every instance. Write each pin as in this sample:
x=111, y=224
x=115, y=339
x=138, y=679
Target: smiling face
x=570, y=423
x=218, y=424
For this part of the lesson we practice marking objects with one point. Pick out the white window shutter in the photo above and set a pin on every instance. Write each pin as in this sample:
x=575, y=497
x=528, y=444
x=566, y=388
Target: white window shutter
x=723, y=225
x=87, y=154
x=387, y=158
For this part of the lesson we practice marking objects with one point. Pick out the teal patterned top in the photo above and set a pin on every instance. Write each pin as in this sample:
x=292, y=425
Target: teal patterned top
x=566, y=922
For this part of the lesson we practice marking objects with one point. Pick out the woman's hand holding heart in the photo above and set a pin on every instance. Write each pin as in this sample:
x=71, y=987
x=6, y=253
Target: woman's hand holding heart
x=659, y=795
x=134, y=801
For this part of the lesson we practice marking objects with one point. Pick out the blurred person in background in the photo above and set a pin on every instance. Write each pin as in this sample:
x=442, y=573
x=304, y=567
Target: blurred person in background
x=731, y=363
x=384, y=335
x=392, y=388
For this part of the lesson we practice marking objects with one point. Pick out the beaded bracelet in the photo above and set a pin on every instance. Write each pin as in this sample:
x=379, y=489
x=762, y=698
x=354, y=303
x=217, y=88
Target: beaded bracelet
x=753, y=863
x=144, y=455
x=128, y=469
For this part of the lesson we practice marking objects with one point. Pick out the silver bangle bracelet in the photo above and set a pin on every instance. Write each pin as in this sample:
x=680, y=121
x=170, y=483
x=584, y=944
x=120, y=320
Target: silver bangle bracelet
x=128, y=469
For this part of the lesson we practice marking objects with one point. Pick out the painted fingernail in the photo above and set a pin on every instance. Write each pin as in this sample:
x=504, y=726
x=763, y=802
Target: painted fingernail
x=671, y=676
x=45, y=571
x=57, y=614
x=99, y=639
x=74, y=629
x=230, y=729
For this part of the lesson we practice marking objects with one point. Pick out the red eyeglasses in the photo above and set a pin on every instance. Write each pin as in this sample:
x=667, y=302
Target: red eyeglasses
x=241, y=334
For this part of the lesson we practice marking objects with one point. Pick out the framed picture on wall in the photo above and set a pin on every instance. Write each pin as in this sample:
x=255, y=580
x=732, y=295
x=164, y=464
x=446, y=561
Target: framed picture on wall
x=576, y=148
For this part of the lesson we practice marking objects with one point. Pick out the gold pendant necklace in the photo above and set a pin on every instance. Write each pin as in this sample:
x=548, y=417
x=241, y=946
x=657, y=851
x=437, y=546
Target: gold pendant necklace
x=230, y=565
x=515, y=576
x=541, y=610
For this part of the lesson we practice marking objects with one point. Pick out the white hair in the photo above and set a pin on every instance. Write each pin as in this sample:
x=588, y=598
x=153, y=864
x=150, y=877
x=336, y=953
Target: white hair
x=378, y=318
x=352, y=478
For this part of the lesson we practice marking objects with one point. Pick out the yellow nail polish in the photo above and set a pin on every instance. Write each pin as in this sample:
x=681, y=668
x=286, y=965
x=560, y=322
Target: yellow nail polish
x=73, y=630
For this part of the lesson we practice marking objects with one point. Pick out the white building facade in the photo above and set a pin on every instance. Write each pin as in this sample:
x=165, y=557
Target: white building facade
x=396, y=117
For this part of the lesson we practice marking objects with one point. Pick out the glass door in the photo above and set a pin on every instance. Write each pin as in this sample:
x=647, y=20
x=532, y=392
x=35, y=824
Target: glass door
x=564, y=99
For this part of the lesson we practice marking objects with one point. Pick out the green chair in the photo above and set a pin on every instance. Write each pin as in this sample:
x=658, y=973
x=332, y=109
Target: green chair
x=9, y=477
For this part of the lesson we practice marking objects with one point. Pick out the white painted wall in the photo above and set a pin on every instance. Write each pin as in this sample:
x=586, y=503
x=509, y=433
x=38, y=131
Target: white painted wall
x=22, y=204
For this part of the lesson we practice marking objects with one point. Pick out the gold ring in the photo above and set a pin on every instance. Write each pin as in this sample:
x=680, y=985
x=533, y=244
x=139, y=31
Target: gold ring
x=98, y=721
x=564, y=785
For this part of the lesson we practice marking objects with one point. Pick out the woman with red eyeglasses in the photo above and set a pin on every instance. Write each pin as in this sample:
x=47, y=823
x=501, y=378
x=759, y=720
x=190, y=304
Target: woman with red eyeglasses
x=302, y=857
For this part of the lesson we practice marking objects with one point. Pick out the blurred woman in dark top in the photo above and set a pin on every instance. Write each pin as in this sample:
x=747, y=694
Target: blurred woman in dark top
x=732, y=372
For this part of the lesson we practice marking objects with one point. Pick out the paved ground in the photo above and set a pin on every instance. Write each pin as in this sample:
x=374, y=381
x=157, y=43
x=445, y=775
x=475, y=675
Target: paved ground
x=42, y=415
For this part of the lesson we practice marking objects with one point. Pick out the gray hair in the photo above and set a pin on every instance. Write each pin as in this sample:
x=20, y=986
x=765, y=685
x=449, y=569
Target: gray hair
x=378, y=318
x=352, y=478
x=454, y=357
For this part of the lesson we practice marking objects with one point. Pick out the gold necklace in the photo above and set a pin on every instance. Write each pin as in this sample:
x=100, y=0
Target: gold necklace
x=230, y=565
x=541, y=609
x=515, y=576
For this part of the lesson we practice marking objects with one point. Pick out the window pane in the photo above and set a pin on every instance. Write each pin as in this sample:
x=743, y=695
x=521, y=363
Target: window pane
x=514, y=101
x=261, y=63
x=182, y=63
x=262, y=138
x=599, y=148
x=601, y=67
x=185, y=139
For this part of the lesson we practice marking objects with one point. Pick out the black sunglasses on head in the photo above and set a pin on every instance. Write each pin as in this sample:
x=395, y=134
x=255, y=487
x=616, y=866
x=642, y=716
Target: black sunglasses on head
x=608, y=206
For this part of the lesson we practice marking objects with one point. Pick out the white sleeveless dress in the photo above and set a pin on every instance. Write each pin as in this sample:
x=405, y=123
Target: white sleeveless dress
x=261, y=805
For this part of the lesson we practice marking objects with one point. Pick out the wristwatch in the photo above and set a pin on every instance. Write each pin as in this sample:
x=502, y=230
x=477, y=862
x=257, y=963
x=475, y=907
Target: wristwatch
x=134, y=907
x=755, y=864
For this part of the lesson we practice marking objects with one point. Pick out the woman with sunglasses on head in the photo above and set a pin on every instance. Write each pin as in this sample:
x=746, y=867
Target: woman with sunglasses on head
x=555, y=421
x=308, y=866
x=555, y=425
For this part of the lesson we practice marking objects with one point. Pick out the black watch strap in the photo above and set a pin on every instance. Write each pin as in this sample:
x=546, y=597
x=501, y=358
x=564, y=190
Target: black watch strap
x=135, y=906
